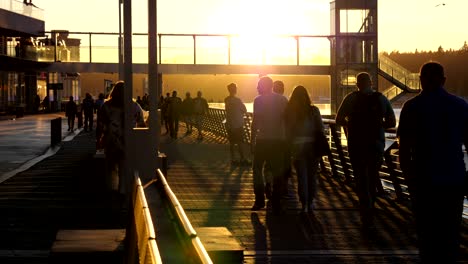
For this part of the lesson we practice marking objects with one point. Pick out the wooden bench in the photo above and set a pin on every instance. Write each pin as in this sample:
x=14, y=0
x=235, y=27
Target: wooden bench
x=135, y=244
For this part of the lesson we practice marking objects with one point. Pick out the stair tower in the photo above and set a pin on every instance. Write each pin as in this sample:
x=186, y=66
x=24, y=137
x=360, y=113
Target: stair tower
x=353, y=45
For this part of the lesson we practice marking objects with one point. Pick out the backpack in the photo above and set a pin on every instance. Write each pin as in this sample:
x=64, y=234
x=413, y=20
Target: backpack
x=366, y=118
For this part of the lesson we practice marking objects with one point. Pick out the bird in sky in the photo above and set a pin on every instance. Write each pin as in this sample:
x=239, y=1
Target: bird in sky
x=441, y=4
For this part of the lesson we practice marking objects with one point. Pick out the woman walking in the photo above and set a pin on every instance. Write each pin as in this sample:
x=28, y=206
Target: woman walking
x=304, y=128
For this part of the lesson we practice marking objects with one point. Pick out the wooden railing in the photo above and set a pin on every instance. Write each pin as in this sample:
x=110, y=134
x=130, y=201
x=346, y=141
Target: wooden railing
x=189, y=234
x=141, y=237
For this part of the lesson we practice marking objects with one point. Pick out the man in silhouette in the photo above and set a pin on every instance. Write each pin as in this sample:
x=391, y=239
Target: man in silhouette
x=268, y=141
x=365, y=114
x=432, y=130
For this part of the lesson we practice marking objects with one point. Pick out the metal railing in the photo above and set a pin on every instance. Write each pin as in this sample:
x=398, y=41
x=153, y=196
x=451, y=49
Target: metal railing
x=338, y=162
x=221, y=49
x=20, y=8
x=399, y=73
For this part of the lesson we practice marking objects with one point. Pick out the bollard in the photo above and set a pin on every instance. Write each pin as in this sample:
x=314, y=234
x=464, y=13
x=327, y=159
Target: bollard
x=162, y=162
x=55, y=131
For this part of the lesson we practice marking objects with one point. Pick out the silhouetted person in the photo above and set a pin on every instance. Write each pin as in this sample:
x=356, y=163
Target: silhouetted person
x=235, y=111
x=187, y=112
x=303, y=127
x=200, y=109
x=112, y=119
x=432, y=130
x=18, y=49
x=268, y=142
x=278, y=87
x=97, y=108
x=165, y=111
x=87, y=107
x=70, y=112
x=46, y=103
x=173, y=113
x=365, y=114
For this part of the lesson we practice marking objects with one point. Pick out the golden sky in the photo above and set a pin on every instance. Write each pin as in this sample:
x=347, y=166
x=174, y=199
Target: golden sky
x=404, y=25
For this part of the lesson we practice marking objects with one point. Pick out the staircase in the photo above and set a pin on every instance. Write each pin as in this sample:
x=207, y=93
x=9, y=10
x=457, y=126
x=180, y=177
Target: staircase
x=405, y=83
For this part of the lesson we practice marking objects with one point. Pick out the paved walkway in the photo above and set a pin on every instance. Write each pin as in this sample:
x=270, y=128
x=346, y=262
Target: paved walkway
x=25, y=141
x=59, y=191
x=214, y=193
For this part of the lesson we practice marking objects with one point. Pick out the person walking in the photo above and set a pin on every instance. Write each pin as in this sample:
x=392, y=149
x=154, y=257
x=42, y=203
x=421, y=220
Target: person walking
x=304, y=128
x=365, y=114
x=278, y=87
x=88, y=110
x=200, y=109
x=187, y=112
x=268, y=141
x=165, y=111
x=112, y=120
x=97, y=109
x=70, y=113
x=235, y=111
x=432, y=129
x=173, y=113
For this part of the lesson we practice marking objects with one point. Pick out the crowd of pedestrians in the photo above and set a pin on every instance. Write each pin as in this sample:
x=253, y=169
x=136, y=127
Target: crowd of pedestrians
x=288, y=134
x=191, y=111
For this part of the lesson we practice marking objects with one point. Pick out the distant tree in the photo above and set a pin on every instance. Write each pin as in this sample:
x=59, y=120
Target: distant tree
x=440, y=50
x=416, y=51
x=465, y=47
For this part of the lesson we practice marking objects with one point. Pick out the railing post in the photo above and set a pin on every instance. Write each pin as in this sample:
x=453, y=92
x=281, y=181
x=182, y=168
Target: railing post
x=392, y=171
x=160, y=54
x=339, y=149
x=194, y=49
x=90, y=49
x=229, y=50
x=297, y=50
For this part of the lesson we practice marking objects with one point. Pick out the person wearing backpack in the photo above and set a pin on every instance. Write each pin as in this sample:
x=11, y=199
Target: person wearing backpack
x=365, y=114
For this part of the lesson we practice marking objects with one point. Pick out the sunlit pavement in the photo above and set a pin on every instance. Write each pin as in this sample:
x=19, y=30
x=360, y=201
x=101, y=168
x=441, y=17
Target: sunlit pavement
x=25, y=141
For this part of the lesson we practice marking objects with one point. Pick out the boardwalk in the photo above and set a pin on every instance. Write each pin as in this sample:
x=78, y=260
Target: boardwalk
x=66, y=190
x=214, y=193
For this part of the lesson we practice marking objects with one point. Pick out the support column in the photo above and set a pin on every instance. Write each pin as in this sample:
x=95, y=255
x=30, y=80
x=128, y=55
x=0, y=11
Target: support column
x=128, y=79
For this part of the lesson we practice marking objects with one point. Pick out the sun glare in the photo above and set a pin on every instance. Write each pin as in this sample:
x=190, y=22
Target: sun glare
x=258, y=25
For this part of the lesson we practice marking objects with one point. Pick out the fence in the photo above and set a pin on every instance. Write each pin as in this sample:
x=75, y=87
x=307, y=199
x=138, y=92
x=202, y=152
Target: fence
x=391, y=175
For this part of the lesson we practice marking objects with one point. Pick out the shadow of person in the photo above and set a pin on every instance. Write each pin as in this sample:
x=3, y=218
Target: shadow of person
x=260, y=232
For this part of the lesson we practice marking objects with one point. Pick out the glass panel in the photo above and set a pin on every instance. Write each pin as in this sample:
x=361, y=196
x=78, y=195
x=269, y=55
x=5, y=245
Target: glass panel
x=248, y=49
x=353, y=21
x=212, y=50
x=314, y=51
x=177, y=50
x=104, y=48
x=20, y=8
x=281, y=51
x=140, y=49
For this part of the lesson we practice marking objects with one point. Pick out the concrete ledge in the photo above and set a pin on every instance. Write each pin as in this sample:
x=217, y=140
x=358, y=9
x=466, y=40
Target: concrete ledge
x=78, y=246
x=221, y=245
